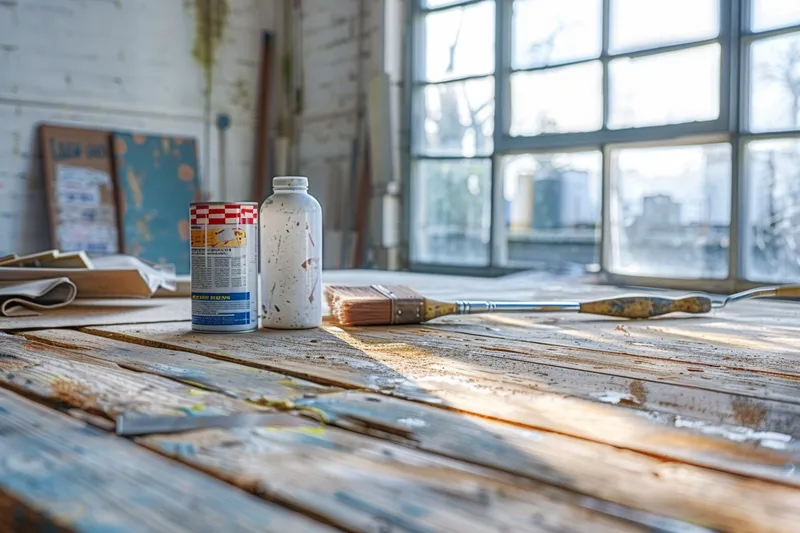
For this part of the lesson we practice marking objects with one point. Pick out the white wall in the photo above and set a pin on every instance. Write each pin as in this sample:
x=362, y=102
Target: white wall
x=333, y=64
x=119, y=64
x=128, y=64
x=346, y=43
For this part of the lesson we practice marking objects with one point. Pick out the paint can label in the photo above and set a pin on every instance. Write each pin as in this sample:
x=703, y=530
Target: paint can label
x=224, y=266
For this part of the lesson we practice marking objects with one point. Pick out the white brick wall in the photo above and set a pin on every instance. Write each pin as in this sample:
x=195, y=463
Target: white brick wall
x=120, y=64
x=328, y=125
x=127, y=64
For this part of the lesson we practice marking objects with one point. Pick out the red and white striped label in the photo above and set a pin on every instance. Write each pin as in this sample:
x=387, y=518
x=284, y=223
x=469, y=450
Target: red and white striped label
x=223, y=214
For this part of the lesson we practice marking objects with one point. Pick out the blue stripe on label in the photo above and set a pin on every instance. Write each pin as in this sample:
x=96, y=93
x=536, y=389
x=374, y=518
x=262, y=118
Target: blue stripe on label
x=233, y=319
x=220, y=296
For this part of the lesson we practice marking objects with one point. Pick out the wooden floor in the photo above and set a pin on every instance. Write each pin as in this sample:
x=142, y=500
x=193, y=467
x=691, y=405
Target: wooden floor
x=497, y=423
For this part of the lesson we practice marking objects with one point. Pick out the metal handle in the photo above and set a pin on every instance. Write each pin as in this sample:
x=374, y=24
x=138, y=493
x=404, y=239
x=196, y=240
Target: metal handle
x=762, y=292
x=473, y=308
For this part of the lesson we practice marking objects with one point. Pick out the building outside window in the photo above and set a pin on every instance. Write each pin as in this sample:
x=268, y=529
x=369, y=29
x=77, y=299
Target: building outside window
x=659, y=139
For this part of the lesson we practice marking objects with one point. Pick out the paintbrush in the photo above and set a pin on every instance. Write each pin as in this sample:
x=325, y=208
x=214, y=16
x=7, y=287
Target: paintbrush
x=385, y=305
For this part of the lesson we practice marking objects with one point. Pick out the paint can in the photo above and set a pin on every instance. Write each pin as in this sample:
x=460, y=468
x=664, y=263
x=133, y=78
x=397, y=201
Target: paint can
x=224, y=266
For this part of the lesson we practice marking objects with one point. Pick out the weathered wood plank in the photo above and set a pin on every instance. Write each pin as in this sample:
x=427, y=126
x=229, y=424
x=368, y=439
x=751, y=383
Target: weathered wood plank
x=57, y=474
x=96, y=386
x=716, y=396
x=306, y=354
x=712, y=499
x=37, y=369
x=100, y=312
x=235, y=380
x=371, y=358
x=370, y=485
x=764, y=344
x=368, y=368
x=758, y=336
x=468, y=438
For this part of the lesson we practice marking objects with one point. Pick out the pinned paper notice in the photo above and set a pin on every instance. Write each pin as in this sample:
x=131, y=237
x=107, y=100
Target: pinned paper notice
x=82, y=217
x=80, y=186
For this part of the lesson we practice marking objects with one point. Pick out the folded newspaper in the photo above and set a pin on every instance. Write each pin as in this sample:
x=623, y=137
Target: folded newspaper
x=26, y=298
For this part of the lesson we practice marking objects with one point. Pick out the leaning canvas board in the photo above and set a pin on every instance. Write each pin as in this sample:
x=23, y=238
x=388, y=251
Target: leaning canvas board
x=156, y=178
x=82, y=207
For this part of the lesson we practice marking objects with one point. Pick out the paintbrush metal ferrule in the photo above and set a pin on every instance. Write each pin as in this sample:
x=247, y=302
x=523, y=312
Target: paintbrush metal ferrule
x=477, y=307
x=407, y=306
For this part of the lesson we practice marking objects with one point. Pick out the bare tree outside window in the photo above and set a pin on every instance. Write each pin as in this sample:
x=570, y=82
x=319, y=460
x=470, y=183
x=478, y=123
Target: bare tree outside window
x=774, y=165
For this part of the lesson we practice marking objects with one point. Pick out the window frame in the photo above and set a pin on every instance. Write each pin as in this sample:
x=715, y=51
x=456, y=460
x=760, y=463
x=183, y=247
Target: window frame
x=734, y=39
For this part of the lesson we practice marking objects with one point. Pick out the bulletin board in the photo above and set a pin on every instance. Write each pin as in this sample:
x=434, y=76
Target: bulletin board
x=156, y=178
x=81, y=202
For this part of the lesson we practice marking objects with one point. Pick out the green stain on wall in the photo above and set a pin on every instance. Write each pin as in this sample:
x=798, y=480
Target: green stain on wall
x=210, y=21
x=15, y=143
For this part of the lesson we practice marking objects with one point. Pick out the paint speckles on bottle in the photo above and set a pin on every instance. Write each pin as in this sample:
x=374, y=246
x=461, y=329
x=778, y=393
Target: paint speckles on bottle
x=291, y=256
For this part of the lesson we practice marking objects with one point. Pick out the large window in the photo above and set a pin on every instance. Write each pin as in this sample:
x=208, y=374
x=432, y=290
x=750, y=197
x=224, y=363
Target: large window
x=659, y=139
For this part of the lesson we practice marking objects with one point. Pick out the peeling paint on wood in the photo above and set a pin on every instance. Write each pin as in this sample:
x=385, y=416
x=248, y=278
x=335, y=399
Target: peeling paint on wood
x=57, y=474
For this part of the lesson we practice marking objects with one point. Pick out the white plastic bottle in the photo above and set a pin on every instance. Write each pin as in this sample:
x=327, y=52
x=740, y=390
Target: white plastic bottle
x=291, y=256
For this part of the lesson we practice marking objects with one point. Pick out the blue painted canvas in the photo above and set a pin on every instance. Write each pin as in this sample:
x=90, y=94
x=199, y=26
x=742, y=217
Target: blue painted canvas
x=156, y=179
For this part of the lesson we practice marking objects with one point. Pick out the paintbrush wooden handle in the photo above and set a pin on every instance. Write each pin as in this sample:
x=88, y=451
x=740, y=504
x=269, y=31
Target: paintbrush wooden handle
x=787, y=291
x=646, y=306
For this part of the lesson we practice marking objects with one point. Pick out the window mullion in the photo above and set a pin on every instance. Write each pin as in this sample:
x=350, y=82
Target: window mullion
x=732, y=98
x=498, y=252
x=605, y=176
x=604, y=57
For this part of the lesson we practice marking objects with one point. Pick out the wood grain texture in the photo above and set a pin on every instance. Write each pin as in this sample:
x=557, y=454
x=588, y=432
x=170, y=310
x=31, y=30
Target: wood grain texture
x=103, y=312
x=570, y=463
x=393, y=369
x=305, y=354
x=66, y=377
x=253, y=384
x=699, y=496
x=57, y=474
x=756, y=337
x=713, y=395
x=368, y=485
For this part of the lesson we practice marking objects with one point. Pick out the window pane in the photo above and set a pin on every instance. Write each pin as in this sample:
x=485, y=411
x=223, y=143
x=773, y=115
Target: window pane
x=557, y=100
x=772, y=238
x=459, y=42
x=769, y=14
x=665, y=88
x=547, y=32
x=775, y=84
x=552, y=207
x=638, y=24
x=452, y=212
x=458, y=118
x=670, y=211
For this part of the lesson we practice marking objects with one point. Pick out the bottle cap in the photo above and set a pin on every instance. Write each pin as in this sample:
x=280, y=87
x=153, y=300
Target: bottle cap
x=290, y=182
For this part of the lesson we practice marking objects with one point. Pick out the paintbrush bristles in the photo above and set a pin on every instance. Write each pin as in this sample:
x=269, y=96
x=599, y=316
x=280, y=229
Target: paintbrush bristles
x=358, y=306
x=375, y=305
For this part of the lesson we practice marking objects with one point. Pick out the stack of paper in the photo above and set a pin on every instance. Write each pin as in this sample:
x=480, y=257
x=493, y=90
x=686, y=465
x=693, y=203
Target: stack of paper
x=64, y=276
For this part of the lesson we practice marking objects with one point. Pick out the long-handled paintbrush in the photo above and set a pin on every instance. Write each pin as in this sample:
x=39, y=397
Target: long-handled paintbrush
x=382, y=304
